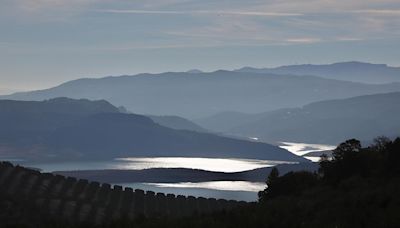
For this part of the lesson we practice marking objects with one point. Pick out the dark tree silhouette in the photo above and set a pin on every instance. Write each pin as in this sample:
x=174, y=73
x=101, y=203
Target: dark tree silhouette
x=273, y=175
x=345, y=148
x=380, y=143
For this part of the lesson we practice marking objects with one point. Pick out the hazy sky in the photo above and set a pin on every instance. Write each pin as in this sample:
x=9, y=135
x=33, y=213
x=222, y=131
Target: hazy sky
x=47, y=42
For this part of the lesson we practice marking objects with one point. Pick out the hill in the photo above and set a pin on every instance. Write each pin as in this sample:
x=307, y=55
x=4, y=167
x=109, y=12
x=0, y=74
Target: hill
x=176, y=122
x=328, y=122
x=347, y=71
x=202, y=94
x=176, y=175
x=33, y=199
x=58, y=129
x=358, y=188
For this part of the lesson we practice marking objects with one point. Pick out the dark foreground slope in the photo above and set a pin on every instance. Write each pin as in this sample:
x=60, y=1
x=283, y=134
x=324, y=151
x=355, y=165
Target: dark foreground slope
x=61, y=129
x=29, y=198
x=203, y=94
x=359, y=188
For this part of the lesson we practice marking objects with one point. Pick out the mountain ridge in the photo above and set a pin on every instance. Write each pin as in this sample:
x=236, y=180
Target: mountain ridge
x=350, y=71
x=327, y=121
x=104, y=135
x=197, y=95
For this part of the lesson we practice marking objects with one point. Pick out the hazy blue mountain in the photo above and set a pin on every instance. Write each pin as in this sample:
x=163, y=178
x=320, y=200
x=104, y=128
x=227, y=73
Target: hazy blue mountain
x=332, y=121
x=202, y=94
x=176, y=122
x=224, y=121
x=348, y=71
x=58, y=105
x=194, y=71
x=80, y=129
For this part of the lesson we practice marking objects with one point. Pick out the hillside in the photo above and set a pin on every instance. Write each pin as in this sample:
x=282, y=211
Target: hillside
x=33, y=199
x=58, y=105
x=328, y=122
x=202, y=94
x=176, y=175
x=347, y=71
x=104, y=133
x=358, y=189
x=176, y=122
x=154, y=175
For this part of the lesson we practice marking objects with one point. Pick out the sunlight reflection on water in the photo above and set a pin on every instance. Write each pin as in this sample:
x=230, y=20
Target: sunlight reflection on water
x=217, y=185
x=209, y=164
x=301, y=149
x=134, y=163
x=242, y=190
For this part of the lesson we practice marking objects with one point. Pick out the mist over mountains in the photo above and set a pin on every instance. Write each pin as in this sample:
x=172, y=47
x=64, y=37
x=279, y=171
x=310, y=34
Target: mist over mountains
x=273, y=104
x=196, y=95
x=331, y=121
x=347, y=71
x=178, y=123
x=68, y=129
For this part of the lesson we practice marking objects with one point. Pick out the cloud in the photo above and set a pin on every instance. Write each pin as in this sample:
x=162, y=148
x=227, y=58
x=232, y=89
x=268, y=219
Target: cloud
x=303, y=40
x=129, y=47
x=349, y=39
x=218, y=23
x=384, y=12
x=201, y=12
x=38, y=5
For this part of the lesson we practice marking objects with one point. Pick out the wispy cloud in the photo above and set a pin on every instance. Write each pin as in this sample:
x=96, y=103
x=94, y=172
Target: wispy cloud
x=386, y=12
x=349, y=39
x=235, y=22
x=128, y=47
x=39, y=5
x=201, y=12
x=303, y=40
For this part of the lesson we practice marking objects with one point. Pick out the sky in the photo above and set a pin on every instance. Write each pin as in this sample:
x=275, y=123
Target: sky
x=44, y=43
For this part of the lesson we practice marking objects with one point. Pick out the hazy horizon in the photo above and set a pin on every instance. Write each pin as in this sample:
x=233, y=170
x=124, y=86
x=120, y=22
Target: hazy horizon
x=11, y=90
x=45, y=43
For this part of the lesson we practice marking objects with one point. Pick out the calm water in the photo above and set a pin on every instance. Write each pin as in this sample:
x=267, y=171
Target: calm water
x=209, y=164
x=302, y=149
x=236, y=190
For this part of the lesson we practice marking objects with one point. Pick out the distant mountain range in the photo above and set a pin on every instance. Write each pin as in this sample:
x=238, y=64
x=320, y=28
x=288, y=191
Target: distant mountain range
x=65, y=128
x=196, y=95
x=347, y=71
x=332, y=121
